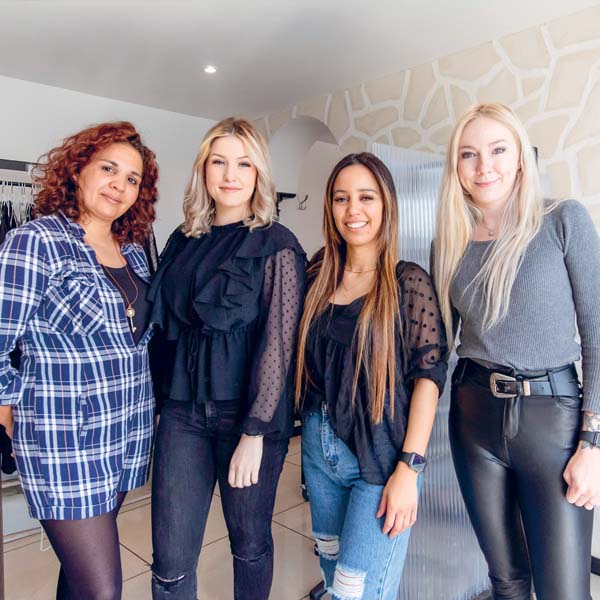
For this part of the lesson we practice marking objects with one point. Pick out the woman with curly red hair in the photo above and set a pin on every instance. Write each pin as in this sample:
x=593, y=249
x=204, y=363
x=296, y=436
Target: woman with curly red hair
x=73, y=299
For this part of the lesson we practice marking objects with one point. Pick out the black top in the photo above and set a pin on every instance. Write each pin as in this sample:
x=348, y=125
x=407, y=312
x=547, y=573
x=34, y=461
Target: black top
x=331, y=359
x=228, y=304
x=128, y=282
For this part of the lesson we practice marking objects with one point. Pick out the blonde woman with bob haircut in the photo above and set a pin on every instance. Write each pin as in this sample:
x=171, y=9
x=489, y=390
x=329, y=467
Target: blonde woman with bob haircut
x=516, y=273
x=227, y=299
x=369, y=371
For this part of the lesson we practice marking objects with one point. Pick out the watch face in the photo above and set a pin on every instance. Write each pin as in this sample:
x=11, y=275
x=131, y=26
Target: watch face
x=418, y=462
x=415, y=461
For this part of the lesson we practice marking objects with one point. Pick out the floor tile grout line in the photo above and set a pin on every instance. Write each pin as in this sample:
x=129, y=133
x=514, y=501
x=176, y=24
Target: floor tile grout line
x=148, y=570
x=289, y=508
x=310, y=539
x=134, y=553
x=138, y=504
x=214, y=542
x=23, y=546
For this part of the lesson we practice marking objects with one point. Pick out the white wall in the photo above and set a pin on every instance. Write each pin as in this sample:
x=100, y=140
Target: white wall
x=307, y=224
x=35, y=118
x=289, y=147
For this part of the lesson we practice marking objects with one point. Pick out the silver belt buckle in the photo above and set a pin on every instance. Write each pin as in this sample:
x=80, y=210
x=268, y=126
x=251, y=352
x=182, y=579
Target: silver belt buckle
x=494, y=378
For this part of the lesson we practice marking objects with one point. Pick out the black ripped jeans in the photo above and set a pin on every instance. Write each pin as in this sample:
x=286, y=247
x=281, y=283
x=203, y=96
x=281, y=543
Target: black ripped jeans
x=193, y=451
x=509, y=455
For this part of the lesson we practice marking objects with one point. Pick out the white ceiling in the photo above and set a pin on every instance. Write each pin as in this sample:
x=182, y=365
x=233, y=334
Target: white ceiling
x=271, y=54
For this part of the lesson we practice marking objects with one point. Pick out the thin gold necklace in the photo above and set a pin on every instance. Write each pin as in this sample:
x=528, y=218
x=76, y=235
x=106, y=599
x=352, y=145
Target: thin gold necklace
x=363, y=271
x=129, y=310
x=491, y=232
x=349, y=290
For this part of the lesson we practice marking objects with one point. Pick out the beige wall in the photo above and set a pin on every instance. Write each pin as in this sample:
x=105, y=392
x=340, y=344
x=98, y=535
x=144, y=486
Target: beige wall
x=550, y=75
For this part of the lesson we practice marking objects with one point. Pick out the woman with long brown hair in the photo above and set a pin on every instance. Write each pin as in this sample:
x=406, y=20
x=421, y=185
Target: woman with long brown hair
x=371, y=364
x=72, y=298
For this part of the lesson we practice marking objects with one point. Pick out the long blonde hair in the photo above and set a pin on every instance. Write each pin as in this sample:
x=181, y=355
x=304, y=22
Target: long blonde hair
x=457, y=217
x=199, y=207
x=380, y=314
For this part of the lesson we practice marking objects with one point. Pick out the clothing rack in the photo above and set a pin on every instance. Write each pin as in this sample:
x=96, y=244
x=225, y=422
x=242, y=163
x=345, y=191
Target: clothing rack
x=16, y=199
x=22, y=184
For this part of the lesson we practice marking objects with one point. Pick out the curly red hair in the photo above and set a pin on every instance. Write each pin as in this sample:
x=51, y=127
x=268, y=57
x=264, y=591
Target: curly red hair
x=56, y=172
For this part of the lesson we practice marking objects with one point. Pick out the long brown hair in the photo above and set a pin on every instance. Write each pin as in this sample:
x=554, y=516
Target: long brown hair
x=379, y=318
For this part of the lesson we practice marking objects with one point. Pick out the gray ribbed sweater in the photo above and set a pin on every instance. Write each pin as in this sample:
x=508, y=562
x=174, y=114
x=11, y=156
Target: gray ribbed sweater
x=556, y=292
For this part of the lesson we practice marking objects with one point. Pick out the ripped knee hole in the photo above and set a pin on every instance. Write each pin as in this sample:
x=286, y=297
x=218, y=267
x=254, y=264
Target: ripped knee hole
x=348, y=584
x=165, y=580
x=328, y=547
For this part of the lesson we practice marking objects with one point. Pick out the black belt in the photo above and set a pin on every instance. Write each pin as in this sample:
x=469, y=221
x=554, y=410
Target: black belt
x=508, y=384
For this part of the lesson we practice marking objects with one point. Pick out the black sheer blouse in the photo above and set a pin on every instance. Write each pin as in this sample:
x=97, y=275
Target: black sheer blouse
x=331, y=359
x=228, y=304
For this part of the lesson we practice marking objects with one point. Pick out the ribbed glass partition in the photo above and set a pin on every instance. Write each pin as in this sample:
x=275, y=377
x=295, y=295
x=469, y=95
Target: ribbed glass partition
x=444, y=561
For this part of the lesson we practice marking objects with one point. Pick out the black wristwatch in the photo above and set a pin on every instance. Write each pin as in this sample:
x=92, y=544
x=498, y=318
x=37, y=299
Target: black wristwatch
x=415, y=461
x=592, y=437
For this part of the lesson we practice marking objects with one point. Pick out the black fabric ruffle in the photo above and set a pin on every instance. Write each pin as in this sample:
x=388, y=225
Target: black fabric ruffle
x=222, y=303
x=206, y=354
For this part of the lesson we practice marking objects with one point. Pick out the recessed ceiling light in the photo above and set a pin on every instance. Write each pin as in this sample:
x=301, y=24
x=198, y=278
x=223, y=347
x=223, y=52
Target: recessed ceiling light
x=210, y=69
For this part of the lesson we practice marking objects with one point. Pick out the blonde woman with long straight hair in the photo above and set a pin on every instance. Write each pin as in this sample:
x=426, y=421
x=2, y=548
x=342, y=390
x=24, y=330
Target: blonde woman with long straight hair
x=227, y=299
x=369, y=371
x=517, y=273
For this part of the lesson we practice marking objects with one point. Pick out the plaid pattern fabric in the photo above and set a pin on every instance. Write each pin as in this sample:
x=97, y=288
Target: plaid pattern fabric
x=83, y=399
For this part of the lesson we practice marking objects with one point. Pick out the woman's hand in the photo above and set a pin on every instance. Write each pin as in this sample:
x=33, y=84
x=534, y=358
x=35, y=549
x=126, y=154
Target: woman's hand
x=245, y=462
x=6, y=419
x=399, y=501
x=582, y=475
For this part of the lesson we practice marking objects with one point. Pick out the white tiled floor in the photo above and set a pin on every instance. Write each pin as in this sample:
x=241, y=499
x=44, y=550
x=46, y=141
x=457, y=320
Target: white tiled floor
x=31, y=574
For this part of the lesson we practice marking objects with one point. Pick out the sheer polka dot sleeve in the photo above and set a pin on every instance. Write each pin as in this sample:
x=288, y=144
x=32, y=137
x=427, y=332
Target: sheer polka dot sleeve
x=424, y=334
x=270, y=387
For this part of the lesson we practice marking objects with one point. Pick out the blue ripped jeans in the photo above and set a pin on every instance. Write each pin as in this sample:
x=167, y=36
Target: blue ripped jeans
x=357, y=559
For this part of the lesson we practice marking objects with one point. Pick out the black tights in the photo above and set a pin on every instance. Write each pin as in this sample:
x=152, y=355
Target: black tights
x=88, y=550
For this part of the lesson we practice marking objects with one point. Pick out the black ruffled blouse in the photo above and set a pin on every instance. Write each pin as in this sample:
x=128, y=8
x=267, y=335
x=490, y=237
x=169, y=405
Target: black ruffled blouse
x=228, y=304
x=331, y=359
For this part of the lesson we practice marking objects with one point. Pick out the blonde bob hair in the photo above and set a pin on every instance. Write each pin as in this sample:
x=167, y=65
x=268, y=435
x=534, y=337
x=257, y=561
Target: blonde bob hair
x=458, y=216
x=199, y=207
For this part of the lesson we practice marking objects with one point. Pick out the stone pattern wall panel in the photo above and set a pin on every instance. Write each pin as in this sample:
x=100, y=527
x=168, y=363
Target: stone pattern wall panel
x=550, y=75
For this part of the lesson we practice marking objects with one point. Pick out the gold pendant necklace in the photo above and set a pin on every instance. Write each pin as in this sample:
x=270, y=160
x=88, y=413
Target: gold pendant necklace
x=129, y=310
x=491, y=232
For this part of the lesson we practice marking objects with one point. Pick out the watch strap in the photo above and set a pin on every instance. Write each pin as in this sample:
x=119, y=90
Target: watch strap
x=408, y=458
x=592, y=437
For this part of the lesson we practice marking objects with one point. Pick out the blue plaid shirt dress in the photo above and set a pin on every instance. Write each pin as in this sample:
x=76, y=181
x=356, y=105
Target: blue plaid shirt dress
x=82, y=398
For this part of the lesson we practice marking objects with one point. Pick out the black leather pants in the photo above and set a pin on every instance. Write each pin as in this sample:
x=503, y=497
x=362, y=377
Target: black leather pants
x=509, y=455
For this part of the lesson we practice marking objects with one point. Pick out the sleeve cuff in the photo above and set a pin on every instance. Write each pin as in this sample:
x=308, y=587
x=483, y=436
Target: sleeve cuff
x=436, y=374
x=10, y=387
x=254, y=427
